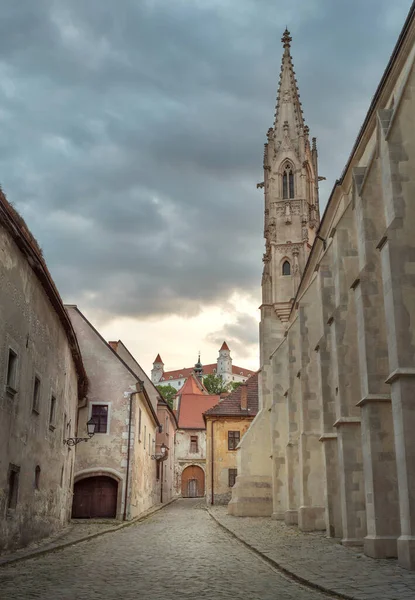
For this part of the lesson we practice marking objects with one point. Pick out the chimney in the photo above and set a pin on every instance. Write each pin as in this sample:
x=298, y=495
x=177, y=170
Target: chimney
x=244, y=396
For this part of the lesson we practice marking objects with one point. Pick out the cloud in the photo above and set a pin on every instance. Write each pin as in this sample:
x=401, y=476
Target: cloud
x=241, y=335
x=132, y=135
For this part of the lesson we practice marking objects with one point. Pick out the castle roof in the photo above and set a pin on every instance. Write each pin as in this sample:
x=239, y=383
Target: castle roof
x=207, y=370
x=224, y=346
x=158, y=359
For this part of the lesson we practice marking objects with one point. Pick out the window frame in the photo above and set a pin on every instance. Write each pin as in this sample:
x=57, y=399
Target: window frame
x=286, y=262
x=52, y=411
x=13, y=490
x=232, y=475
x=11, y=374
x=91, y=408
x=233, y=440
x=194, y=439
x=288, y=183
x=36, y=394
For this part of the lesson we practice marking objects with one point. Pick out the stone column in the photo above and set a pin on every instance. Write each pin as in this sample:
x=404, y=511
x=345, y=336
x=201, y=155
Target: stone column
x=379, y=460
x=397, y=247
x=279, y=430
x=292, y=400
x=312, y=477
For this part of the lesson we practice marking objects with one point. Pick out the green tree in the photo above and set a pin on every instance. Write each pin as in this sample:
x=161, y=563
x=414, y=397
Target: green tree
x=167, y=392
x=235, y=385
x=215, y=384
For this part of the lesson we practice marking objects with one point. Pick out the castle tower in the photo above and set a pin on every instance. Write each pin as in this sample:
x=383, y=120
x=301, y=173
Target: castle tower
x=198, y=368
x=291, y=203
x=157, y=370
x=224, y=363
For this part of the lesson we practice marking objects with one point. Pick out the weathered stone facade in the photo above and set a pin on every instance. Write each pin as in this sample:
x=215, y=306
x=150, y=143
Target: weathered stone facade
x=122, y=448
x=41, y=378
x=338, y=375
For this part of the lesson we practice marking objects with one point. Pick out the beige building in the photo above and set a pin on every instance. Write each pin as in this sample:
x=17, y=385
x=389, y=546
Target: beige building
x=226, y=424
x=333, y=445
x=115, y=471
x=41, y=379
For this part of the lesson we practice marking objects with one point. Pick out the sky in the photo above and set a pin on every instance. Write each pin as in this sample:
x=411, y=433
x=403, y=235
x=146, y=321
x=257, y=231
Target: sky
x=132, y=138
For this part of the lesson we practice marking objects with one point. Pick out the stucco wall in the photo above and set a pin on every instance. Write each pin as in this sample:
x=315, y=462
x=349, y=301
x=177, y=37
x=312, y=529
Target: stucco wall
x=182, y=455
x=223, y=458
x=30, y=326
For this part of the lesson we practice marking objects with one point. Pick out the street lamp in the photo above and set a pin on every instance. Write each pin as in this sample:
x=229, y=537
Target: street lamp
x=162, y=455
x=73, y=441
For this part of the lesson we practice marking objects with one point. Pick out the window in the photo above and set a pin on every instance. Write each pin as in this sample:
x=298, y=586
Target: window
x=139, y=424
x=11, y=380
x=193, y=443
x=145, y=435
x=149, y=443
x=36, y=395
x=52, y=413
x=37, y=477
x=288, y=183
x=13, y=486
x=99, y=414
x=286, y=268
x=232, y=473
x=233, y=439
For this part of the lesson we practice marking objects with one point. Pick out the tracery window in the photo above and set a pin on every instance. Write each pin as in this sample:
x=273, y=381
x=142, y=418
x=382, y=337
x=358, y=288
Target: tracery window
x=288, y=182
x=286, y=268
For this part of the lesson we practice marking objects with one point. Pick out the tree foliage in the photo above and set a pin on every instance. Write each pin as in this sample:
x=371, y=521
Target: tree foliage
x=215, y=384
x=168, y=392
x=234, y=385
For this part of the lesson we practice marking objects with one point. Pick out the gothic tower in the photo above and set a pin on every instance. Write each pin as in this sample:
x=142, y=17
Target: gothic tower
x=291, y=206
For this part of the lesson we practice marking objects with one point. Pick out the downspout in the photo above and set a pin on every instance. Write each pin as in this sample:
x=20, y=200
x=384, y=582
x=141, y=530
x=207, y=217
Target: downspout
x=211, y=470
x=128, y=457
x=161, y=482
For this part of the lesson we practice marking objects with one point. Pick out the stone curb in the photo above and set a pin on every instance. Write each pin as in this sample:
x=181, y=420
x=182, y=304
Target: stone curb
x=290, y=574
x=35, y=553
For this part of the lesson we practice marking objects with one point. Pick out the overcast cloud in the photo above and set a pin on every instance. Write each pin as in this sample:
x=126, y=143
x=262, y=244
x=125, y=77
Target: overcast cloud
x=133, y=132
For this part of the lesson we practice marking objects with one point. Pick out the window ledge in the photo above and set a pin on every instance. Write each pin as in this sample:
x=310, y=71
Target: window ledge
x=52, y=427
x=35, y=411
x=10, y=391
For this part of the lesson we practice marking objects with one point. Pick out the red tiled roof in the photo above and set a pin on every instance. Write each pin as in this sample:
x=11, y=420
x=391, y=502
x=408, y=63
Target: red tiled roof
x=231, y=405
x=158, y=359
x=207, y=370
x=193, y=402
x=224, y=346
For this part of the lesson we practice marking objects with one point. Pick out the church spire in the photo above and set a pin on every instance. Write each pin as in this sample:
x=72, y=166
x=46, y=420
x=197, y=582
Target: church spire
x=288, y=110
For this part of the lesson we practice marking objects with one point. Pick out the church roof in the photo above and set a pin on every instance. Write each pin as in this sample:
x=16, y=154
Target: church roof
x=288, y=109
x=224, y=346
x=231, y=405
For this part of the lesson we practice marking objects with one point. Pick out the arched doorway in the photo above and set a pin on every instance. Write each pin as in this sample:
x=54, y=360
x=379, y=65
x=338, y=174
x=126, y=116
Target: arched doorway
x=95, y=498
x=193, y=482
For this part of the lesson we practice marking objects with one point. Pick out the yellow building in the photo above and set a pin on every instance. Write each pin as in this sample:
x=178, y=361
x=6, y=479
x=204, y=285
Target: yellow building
x=226, y=423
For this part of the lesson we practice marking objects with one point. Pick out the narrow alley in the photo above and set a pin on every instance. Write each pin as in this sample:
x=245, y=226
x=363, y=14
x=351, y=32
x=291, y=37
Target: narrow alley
x=179, y=552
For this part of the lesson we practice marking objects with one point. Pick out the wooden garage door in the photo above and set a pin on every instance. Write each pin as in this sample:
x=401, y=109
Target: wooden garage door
x=193, y=482
x=95, y=498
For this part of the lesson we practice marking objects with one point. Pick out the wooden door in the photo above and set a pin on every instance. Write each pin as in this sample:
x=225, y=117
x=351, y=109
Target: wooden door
x=193, y=482
x=95, y=498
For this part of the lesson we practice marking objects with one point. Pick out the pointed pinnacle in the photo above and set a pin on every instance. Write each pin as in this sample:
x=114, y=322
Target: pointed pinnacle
x=286, y=38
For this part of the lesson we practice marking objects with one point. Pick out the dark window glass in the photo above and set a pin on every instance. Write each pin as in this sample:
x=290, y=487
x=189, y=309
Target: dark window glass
x=52, y=413
x=36, y=395
x=37, y=477
x=99, y=414
x=233, y=439
x=11, y=370
x=13, y=486
x=286, y=268
x=232, y=473
x=291, y=184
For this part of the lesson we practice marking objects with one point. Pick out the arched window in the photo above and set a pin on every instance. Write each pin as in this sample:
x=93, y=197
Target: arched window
x=286, y=268
x=288, y=183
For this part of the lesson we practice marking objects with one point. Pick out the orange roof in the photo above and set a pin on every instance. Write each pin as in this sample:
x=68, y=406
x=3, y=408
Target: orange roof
x=158, y=359
x=224, y=346
x=207, y=370
x=193, y=402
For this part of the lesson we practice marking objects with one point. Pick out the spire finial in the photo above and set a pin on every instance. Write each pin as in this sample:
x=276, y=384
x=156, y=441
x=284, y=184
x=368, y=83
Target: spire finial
x=286, y=39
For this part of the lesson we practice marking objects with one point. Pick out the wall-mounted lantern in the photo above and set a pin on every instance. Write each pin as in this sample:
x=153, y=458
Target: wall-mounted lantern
x=73, y=441
x=162, y=455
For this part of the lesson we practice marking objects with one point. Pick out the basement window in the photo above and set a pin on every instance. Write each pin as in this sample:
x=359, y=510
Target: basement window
x=13, y=491
x=232, y=474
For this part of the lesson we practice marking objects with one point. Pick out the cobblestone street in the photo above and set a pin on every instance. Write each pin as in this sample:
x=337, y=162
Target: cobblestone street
x=179, y=552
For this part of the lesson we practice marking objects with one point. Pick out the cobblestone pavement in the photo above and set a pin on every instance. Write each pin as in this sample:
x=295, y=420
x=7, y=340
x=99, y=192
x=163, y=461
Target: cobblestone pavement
x=321, y=561
x=179, y=552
